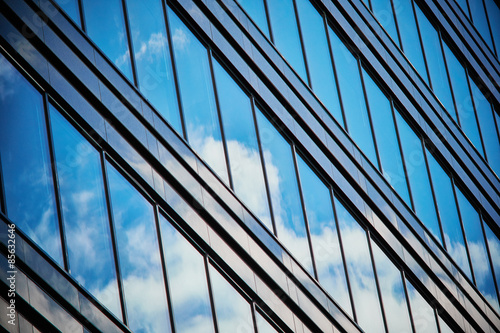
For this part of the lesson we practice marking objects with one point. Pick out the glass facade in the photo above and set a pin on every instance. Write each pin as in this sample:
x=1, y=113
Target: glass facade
x=192, y=174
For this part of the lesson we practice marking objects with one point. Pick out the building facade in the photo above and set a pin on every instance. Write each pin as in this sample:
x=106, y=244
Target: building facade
x=250, y=166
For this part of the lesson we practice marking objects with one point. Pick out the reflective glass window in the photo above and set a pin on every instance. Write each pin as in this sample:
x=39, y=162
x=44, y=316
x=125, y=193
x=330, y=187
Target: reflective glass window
x=187, y=282
x=409, y=36
x=392, y=292
x=319, y=60
x=422, y=313
x=263, y=326
x=324, y=236
x=382, y=9
x=360, y=269
x=477, y=248
x=494, y=247
x=418, y=177
x=356, y=115
x=256, y=9
x=286, y=34
x=480, y=21
x=387, y=139
x=197, y=96
x=139, y=256
x=84, y=213
x=242, y=145
x=443, y=327
x=234, y=313
x=493, y=11
x=152, y=58
x=463, y=5
x=448, y=213
x=71, y=8
x=106, y=26
x=285, y=197
x=26, y=169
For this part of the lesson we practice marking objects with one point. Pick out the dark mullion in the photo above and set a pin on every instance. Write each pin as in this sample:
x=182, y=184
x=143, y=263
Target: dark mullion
x=174, y=70
x=268, y=19
x=128, y=32
x=55, y=180
x=306, y=221
x=254, y=317
x=114, y=241
x=489, y=257
x=263, y=163
x=475, y=117
x=441, y=44
x=3, y=203
x=469, y=13
x=219, y=117
x=436, y=318
x=82, y=16
x=346, y=271
x=497, y=124
x=164, y=266
x=494, y=49
x=396, y=24
x=299, y=29
x=206, y=262
x=421, y=44
x=408, y=303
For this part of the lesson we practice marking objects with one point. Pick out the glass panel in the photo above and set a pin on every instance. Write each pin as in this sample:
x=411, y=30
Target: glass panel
x=463, y=5
x=477, y=249
x=84, y=213
x=285, y=197
x=447, y=209
x=443, y=327
x=409, y=36
x=242, y=145
x=71, y=8
x=382, y=9
x=26, y=170
x=263, y=325
x=286, y=34
x=257, y=12
x=324, y=236
x=480, y=21
x=139, y=256
x=494, y=247
x=393, y=292
x=418, y=177
x=197, y=95
x=494, y=17
x=234, y=313
x=351, y=89
x=387, y=139
x=319, y=60
x=435, y=61
x=422, y=313
x=152, y=58
x=360, y=268
x=106, y=27
x=187, y=282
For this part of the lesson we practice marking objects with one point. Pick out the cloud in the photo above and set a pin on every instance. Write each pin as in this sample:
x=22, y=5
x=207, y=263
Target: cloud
x=155, y=46
x=180, y=40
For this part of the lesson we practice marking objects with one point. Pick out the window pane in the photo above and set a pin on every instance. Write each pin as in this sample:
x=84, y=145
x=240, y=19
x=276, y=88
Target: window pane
x=418, y=177
x=138, y=251
x=26, y=169
x=71, y=8
x=444, y=328
x=360, y=268
x=106, y=27
x=480, y=21
x=382, y=9
x=287, y=208
x=257, y=12
x=387, y=140
x=324, y=236
x=263, y=325
x=187, y=282
x=319, y=60
x=242, y=145
x=356, y=115
x=84, y=213
x=393, y=292
x=152, y=58
x=477, y=249
x=422, y=313
x=234, y=313
x=447, y=209
x=494, y=247
x=494, y=17
x=463, y=5
x=286, y=34
x=197, y=95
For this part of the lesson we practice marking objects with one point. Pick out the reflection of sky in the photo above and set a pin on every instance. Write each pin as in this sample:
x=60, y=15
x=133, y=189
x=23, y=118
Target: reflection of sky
x=71, y=8
x=262, y=324
x=84, y=212
x=138, y=250
x=257, y=12
x=422, y=313
x=494, y=247
x=24, y=155
x=187, y=282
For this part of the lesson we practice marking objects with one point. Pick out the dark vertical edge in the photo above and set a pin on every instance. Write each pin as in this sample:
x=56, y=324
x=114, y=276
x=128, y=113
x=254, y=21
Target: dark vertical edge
x=481, y=151
x=3, y=203
x=436, y=318
x=210, y=292
x=130, y=42
x=441, y=44
x=421, y=44
x=303, y=47
x=400, y=42
x=494, y=47
x=490, y=260
x=82, y=15
x=254, y=317
x=268, y=18
x=408, y=303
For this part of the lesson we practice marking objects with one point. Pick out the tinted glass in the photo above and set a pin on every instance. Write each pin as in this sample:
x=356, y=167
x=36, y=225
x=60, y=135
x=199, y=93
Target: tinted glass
x=152, y=58
x=257, y=12
x=263, y=325
x=382, y=9
x=463, y=5
x=392, y=291
x=422, y=313
x=242, y=146
x=418, y=177
x=351, y=90
x=387, y=139
x=71, y=8
x=477, y=249
x=286, y=34
x=443, y=327
x=138, y=251
x=26, y=169
x=360, y=268
x=105, y=25
x=448, y=213
x=318, y=55
x=494, y=247
x=234, y=313
x=494, y=17
x=187, y=282
x=324, y=236
x=197, y=95
x=84, y=213
x=480, y=21
x=285, y=197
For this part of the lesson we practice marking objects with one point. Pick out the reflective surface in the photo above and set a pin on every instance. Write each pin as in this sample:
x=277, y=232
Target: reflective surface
x=480, y=21
x=493, y=11
x=71, y=8
x=422, y=313
x=382, y=9
x=263, y=325
x=257, y=12
x=494, y=249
